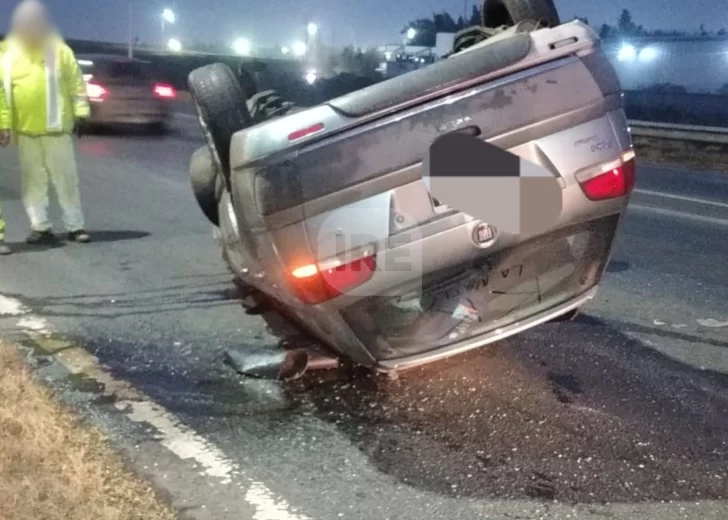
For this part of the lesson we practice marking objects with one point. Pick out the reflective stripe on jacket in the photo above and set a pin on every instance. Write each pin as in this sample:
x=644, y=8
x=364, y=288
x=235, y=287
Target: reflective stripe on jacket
x=43, y=91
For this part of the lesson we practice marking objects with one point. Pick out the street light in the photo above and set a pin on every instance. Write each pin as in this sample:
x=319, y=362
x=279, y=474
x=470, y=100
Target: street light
x=174, y=45
x=169, y=16
x=242, y=47
x=411, y=33
x=285, y=50
x=299, y=49
x=311, y=77
x=312, y=29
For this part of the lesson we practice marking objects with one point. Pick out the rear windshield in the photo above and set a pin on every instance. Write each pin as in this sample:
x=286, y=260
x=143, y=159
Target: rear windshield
x=120, y=70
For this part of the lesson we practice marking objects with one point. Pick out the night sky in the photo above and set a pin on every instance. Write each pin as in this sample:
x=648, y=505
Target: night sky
x=360, y=22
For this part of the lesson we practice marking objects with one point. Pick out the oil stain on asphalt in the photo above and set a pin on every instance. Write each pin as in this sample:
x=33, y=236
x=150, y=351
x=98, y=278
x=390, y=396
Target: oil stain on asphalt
x=594, y=418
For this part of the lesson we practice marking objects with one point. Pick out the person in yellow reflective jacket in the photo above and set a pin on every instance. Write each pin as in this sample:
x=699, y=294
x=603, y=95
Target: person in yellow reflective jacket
x=43, y=99
x=4, y=141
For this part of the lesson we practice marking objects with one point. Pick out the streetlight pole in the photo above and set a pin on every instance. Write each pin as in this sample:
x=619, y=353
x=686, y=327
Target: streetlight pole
x=130, y=36
x=168, y=16
x=312, y=46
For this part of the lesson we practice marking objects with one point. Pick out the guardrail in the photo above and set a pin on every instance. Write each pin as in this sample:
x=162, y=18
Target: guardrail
x=703, y=134
x=682, y=108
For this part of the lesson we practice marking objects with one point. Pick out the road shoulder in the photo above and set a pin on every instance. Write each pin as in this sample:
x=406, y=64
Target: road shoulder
x=59, y=465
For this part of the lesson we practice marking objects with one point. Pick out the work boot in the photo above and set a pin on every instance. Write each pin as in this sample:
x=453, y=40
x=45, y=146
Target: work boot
x=4, y=249
x=80, y=236
x=41, y=237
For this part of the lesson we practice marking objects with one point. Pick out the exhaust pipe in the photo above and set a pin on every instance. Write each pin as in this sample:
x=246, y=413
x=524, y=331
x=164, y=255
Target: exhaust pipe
x=276, y=363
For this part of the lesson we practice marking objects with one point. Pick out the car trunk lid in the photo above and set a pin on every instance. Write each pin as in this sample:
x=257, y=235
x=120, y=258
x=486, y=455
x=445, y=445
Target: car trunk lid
x=126, y=80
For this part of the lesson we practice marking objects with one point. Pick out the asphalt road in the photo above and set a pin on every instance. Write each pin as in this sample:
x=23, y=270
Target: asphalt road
x=620, y=414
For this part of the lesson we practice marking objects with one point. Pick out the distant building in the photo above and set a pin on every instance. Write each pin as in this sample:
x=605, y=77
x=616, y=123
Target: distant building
x=444, y=43
x=400, y=58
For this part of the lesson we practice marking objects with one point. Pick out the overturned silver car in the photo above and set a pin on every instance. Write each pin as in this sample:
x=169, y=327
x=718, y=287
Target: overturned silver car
x=326, y=212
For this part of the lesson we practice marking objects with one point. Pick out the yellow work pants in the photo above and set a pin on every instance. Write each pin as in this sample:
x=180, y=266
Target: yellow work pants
x=49, y=157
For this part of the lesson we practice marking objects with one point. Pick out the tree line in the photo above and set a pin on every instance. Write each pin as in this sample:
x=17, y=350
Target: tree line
x=626, y=26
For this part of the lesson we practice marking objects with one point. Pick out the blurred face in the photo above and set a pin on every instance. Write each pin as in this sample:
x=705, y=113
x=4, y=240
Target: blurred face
x=31, y=25
x=32, y=35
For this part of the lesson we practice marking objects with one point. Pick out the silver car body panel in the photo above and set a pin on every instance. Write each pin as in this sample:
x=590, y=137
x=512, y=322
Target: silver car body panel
x=271, y=136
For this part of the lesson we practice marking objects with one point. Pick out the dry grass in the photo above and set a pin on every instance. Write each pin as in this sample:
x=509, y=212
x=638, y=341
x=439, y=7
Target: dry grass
x=53, y=467
x=691, y=155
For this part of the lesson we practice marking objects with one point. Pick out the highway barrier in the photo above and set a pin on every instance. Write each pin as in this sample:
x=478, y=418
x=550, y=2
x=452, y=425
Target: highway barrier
x=686, y=108
x=694, y=133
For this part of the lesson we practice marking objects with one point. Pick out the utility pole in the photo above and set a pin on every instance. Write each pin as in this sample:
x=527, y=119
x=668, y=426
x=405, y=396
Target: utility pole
x=131, y=29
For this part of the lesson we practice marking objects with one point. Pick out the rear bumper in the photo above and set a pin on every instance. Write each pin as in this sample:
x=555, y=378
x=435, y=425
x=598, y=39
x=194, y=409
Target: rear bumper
x=491, y=337
x=128, y=120
x=118, y=114
x=481, y=300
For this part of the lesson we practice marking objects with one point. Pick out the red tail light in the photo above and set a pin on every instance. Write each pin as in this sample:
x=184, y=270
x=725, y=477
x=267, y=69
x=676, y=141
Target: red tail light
x=163, y=90
x=96, y=92
x=611, y=181
x=316, y=283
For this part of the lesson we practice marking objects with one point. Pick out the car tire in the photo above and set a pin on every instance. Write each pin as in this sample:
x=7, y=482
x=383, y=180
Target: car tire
x=496, y=13
x=221, y=109
x=207, y=184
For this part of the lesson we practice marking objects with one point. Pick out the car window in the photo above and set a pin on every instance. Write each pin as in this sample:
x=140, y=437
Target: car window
x=87, y=67
x=124, y=70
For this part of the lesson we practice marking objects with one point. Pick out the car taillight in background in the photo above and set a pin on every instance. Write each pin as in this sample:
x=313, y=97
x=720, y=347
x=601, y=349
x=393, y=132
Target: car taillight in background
x=317, y=283
x=165, y=91
x=612, y=180
x=96, y=92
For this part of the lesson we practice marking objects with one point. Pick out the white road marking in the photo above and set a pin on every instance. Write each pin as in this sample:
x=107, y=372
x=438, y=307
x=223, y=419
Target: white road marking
x=35, y=324
x=679, y=214
x=178, y=438
x=11, y=307
x=267, y=507
x=683, y=198
x=711, y=322
x=185, y=116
